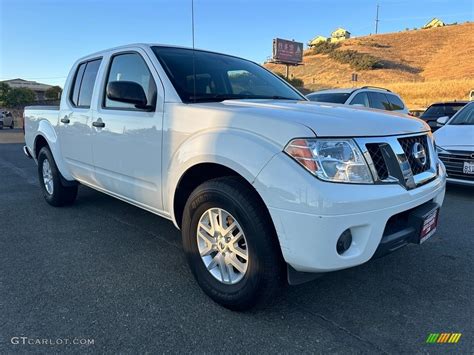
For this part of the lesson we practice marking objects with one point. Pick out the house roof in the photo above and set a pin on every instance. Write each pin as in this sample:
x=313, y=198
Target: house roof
x=21, y=83
x=340, y=29
x=433, y=21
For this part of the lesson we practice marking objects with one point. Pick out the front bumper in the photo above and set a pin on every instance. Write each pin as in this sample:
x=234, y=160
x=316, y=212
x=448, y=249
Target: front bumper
x=310, y=215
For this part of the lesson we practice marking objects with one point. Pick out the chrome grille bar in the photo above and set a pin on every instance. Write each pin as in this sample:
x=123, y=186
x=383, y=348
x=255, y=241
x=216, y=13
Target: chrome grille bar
x=397, y=163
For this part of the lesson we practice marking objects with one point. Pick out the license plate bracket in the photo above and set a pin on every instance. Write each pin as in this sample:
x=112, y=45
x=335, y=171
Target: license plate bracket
x=429, y=226
x=425, y=222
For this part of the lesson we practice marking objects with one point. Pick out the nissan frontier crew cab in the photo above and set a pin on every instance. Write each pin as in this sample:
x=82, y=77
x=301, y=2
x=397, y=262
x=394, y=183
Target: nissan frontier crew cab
x=266, y=186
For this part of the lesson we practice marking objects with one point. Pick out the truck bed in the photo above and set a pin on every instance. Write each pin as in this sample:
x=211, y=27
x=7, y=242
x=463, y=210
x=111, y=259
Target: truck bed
x=36, y=116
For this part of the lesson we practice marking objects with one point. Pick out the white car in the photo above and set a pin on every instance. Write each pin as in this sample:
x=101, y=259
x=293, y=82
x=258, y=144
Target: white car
x=265, y=185
x=455, y=145
x=6, y=119
x=366, y=96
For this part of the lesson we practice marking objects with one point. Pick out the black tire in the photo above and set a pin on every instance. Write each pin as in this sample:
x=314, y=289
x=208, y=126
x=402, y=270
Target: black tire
x=61, y=195
x=12, y=125
x=265, y=271
x=1, y=126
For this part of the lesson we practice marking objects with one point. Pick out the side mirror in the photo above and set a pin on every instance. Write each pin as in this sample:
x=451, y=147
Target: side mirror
x=128, y=92
x=442, y=121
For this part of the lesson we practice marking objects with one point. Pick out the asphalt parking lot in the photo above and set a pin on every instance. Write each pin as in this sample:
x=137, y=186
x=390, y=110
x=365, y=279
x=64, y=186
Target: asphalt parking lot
x=107, y=271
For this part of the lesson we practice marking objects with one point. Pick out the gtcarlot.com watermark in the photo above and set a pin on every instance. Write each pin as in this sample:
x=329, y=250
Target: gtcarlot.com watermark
x=51, y=341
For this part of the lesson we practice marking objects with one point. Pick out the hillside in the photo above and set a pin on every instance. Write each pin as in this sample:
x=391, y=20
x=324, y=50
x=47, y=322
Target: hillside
x=421, y=65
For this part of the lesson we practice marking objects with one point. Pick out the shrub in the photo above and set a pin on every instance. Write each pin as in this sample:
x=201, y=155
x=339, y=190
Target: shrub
x=323, y=48
x=19, y=97
x=357, y=61
x=53, y=93
x=296, y=82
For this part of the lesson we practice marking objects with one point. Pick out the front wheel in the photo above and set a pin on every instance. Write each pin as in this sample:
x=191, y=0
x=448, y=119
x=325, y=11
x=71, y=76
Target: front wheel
x=230, y=244
x=50, y=181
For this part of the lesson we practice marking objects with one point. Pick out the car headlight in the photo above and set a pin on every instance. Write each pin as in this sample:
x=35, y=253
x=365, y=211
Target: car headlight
x=336, y=160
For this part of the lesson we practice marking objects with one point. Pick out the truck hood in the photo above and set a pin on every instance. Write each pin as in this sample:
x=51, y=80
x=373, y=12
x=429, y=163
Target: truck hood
x=331, y=120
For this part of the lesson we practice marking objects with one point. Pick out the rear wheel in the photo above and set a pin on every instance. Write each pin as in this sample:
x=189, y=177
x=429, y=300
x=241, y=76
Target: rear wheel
x=50, y=181
x=230, y=244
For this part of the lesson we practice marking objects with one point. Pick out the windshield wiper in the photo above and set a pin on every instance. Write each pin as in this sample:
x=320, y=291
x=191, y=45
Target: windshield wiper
x=215, y=98
x=222, y=97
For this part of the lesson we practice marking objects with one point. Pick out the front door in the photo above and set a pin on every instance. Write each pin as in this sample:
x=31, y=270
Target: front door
x=127, y=140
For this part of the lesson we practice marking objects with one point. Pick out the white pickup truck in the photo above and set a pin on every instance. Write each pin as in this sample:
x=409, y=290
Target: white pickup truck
x=266, y=186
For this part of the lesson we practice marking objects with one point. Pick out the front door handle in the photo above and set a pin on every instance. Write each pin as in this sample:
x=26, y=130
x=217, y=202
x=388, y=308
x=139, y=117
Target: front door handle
x=98, y=124
x=65, y=120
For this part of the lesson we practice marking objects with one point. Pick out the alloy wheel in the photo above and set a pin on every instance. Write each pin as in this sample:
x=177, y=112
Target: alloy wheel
x=222, y=246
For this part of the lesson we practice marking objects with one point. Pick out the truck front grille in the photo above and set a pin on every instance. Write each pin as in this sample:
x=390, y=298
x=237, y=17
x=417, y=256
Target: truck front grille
x=394, y=159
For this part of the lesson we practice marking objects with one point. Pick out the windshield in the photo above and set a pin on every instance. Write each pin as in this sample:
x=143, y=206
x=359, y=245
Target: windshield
x=440, y=110
x=464, y=117
x=220, y=77
x=336, y=98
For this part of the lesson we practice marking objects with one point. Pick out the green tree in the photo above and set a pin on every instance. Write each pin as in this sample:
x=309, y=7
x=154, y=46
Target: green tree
x=53, y=93
x=19, y=97
x=4, y=89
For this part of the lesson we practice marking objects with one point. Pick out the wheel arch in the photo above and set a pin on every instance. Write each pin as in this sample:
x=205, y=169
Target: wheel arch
x=200, y=173
x=47, y=138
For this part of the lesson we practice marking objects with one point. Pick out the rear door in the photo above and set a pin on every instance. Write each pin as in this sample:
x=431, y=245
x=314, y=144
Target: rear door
x=75, y=121
x=127, y=149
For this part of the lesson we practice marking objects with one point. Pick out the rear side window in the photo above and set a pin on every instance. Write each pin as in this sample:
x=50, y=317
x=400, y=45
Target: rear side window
x=77, y=84
x=336, y=98
x=396, y=103
x=360, y=99
x=131, y=67
x=379, y=101
x=84, y=82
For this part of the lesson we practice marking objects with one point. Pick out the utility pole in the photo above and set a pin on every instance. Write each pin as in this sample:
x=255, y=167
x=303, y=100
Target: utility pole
x=377, y=20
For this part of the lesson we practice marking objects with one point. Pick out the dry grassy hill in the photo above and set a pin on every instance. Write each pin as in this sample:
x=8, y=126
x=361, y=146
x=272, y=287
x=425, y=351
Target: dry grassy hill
x=421, y=65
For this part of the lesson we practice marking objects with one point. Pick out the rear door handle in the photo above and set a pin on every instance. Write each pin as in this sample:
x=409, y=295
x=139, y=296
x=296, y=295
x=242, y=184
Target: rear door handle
x=98, y=124
x=65, y=120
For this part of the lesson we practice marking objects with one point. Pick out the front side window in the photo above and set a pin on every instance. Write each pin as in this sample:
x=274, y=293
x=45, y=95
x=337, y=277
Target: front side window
x=464, y=117
x=131, y=67
x=360, y=99
x=379, y=101
x=200, y=76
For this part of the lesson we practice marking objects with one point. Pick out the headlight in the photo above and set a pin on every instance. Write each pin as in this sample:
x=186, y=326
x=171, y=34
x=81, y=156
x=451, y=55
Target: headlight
x=336, y=160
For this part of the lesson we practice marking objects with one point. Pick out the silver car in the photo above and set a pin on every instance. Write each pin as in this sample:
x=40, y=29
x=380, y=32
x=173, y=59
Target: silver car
x=367, y=96
x=6, y=119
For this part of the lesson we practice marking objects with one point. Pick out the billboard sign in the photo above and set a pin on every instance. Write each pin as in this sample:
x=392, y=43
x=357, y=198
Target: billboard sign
x=287, y=52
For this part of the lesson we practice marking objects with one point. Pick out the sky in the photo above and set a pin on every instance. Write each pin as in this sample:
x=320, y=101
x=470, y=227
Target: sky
x=41, y=39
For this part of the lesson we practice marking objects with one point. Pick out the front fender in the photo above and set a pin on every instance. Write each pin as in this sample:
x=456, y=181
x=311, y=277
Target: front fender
x=242, y=151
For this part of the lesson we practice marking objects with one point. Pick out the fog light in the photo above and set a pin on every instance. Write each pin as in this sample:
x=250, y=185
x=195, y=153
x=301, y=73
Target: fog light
x=344, y=242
